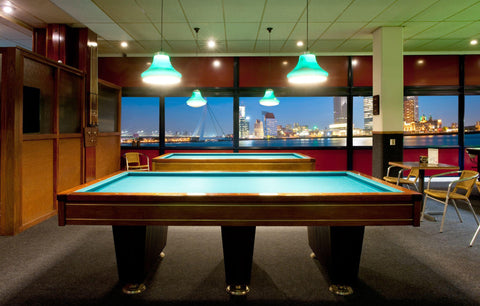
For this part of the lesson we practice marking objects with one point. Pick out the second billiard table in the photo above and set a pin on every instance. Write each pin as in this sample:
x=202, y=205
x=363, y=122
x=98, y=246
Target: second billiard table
x=233, y=162
x=335, y=205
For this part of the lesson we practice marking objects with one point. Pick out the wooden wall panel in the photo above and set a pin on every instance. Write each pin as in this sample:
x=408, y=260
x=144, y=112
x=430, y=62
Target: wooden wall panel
x=108, y=155
x=69, y=163
x=37, y=181
x=472, y=70
x=430, y=70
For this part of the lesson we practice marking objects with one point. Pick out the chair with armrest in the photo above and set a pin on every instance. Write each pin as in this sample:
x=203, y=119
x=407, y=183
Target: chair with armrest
x=458, y=189
x=137, y=161
x=478, y=228
x=410, y=180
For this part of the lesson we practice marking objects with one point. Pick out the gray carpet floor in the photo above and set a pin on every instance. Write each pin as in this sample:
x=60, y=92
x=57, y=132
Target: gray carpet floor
x=400, y=265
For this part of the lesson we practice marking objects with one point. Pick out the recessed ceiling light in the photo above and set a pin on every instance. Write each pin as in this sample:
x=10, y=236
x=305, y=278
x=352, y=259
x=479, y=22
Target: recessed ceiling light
x=474, y=42
x=216, y=63
x=211, y=43
x=124, y=44
x=299, y=43
x=7, y=9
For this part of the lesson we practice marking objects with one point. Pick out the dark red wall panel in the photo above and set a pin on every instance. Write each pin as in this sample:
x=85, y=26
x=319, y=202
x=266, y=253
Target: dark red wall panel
x=196, y=72
x=362, y=161
x=272, y=71
x=472, y=70
x=362, y=67
x=431, y=70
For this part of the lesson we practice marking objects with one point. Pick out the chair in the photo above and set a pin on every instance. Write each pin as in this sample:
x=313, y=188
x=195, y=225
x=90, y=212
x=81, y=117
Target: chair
x=410, y=180
x=136, y=161
x=465, y=182
x=478, y=228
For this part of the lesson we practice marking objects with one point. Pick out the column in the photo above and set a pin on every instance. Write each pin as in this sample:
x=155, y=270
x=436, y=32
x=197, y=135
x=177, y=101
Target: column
x=388, y=92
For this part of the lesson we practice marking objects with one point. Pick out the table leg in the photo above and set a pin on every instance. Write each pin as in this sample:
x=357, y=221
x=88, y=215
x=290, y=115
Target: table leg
x=238, y=243
x=338, y=249
x=137, y=249
x=421, y=180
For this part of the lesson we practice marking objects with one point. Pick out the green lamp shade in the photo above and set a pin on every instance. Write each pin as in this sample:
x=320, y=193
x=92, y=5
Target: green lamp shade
x=307, y=71
x=161, y=72
x=196, y=100
x=269, y=98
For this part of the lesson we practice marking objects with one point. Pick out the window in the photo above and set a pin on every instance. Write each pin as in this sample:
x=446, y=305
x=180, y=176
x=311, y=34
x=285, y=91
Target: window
x=295, y=122
x=472, y=120
x=362, y=121
x=140, y=121
x=430, y=121
x=207, y=126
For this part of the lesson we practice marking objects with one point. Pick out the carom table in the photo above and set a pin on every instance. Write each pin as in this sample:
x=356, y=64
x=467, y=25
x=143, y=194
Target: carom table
x=233, y=162
x=336, y=206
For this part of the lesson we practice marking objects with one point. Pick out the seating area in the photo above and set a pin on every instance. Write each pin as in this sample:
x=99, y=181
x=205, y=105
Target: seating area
x=136, y=161
x=410, y=180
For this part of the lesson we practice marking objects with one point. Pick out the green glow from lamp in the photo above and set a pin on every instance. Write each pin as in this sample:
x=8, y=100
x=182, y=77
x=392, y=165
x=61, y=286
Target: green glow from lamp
x=307, y=71
x=196, y=100
x=161, y=72
x=269, y=98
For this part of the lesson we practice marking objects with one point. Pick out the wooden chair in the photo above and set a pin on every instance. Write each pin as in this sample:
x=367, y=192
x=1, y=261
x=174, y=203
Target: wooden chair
x=464, y=183
x=410, y=180
x=136, y=161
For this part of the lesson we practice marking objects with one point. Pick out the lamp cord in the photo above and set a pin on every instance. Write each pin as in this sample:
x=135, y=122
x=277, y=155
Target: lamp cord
x=307, y=26
x=161, y=29
x=269, y=57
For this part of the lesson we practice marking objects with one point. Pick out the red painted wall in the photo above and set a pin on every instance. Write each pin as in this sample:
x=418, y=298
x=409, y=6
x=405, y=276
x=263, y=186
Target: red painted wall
x=472, y=70
x=431, y=70
x=362, y=67
x=272, y=71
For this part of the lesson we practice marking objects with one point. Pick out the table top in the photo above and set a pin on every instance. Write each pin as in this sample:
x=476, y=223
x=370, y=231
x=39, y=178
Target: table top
x=239, y=183
x=473, y=150
x=424, y=166
x=218, y=157
x=338, y=198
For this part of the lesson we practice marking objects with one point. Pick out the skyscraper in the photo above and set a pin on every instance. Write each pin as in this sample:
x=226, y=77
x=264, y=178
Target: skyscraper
x=270, y=124
x=244, y=124
x=339, y=110
x=258, y=129
x=410, y=109
x=368, y=113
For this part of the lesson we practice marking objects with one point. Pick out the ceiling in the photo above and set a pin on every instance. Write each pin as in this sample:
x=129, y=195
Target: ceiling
x=239, y=27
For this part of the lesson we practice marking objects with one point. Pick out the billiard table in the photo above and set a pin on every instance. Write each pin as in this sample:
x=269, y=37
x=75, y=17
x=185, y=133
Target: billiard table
x=335, y=205
x=233, y=162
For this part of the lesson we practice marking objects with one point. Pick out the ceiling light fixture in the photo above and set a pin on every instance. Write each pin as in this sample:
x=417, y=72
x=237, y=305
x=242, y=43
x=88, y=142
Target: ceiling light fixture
x=124, y=44
x=161, y=72
x=196, y=100
x=473, y=42
x=299, y=43
x=7, y=9
x=307, y=70
x=211, y=44
x=269, y=98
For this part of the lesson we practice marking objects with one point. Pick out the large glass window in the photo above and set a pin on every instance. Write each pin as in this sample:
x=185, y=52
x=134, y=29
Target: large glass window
x=472, y=121
x=207, y=126
x=362, y=121
x=295, y=122
x=140, y=121
x=430, y=121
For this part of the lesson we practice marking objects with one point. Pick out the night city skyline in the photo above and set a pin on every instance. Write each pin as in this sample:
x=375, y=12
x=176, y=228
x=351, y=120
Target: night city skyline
x=143, y=113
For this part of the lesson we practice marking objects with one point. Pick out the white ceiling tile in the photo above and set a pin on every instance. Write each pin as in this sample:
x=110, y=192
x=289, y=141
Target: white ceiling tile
x=244, y=11
x=364, y=11
x=443, y=9
x=440, y=28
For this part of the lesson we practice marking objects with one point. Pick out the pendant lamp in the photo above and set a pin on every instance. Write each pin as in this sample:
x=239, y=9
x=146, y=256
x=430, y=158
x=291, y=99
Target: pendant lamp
x=269, y=98
x=196, y=100
x=161, y=72
x=307, y=70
